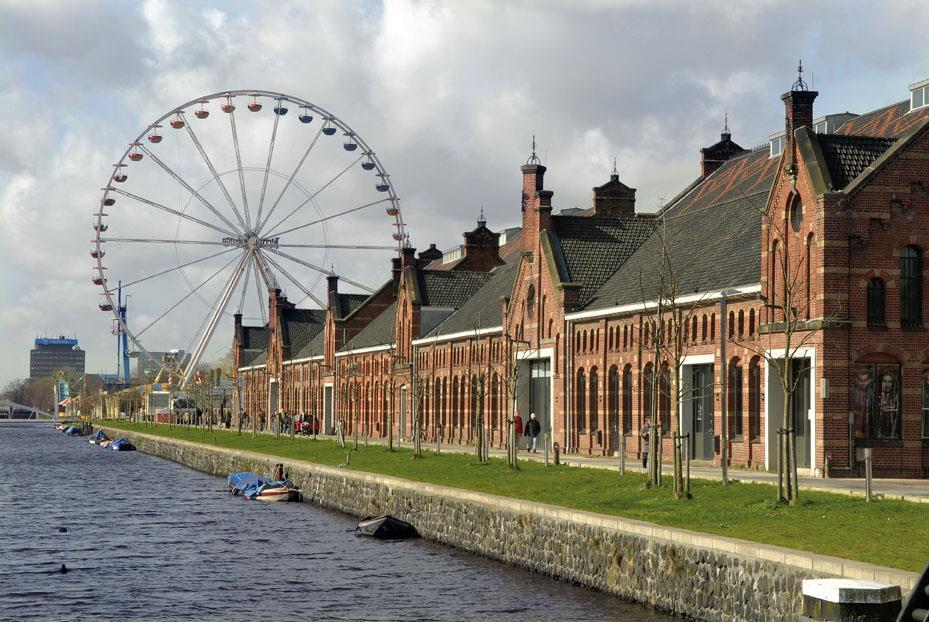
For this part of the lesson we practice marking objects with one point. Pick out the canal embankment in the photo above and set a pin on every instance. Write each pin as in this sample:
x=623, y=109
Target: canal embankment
x=704, y=576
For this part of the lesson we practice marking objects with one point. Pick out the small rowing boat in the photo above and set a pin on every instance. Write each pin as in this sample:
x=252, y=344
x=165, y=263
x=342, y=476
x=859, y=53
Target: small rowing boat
x=259, y=488
x=386, y=527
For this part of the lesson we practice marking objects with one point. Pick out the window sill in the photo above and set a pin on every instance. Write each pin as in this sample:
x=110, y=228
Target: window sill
x=877, y=326
x=912, y=328
x=879, y=442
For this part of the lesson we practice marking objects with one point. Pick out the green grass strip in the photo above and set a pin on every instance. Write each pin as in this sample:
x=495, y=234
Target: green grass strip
x=886, y=532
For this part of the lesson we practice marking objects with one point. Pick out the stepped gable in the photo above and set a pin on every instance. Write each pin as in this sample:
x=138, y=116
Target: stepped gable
x=300, y=326
x=709, y=249
x=448, y=289
x=379, y=331
x=484, y=309
x=888, y=122
x=848, y=156
x=594, y=248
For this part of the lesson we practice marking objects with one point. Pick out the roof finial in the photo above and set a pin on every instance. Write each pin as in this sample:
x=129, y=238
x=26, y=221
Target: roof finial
x=533, y=158
x=726, y=122
x=799, y=85
x=482, y=221
x=615, y=170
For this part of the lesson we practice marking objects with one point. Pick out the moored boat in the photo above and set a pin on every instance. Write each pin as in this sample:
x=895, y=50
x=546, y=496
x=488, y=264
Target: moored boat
x=121, y=444
x=98, y=437
x=386, y=527
x=74, y=431
x=253, y=486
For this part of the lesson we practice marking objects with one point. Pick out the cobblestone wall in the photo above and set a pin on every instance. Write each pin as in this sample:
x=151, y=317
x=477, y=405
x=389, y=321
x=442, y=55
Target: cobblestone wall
x=630, y=559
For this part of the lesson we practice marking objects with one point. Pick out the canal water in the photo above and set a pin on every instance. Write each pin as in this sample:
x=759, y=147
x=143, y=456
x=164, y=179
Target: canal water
x=150, y=539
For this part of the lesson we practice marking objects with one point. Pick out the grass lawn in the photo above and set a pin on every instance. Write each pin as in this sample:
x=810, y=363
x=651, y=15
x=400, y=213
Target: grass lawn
x=885, y=532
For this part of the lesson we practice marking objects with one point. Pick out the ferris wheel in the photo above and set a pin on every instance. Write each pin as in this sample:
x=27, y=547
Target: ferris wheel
x=226, y=197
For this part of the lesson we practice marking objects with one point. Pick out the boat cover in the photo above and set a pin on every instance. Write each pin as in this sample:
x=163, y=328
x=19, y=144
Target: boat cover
x=73, y=431
x=121, y=444
x=250, y=485
x=99, y=436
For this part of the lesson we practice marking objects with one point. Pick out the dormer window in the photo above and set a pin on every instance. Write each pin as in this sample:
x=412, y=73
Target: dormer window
x=919, y=95
x=777, y=144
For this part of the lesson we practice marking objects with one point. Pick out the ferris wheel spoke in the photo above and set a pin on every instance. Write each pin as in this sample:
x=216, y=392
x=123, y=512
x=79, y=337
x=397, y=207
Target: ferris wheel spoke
x=217, y=313
x=165, y=208
x=296, y=282
x=315, y=194
x=340, y=246
x=189, y=263
x=264, y=184
x=161, y=241
x=245, y=285
x=320, y=269
x=266, y=275
x=262, y=297
x=187, y=186
x=291, y=178
x=185, y=297
x=216, y=177
x=336, y=215
x=238, y=163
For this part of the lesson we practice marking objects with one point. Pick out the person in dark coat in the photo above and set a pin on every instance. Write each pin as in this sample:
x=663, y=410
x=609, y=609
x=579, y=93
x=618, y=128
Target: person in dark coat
x=645, y=434
x=533, y=429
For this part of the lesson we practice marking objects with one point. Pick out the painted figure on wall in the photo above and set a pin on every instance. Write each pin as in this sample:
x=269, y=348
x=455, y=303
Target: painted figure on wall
x=876, y=399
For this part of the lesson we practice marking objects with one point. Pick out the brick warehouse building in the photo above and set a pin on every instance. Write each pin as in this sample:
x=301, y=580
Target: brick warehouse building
x=814, y=245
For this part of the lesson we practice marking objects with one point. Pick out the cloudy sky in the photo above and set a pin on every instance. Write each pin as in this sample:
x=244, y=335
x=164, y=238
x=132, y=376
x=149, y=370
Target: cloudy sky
x=447, y=94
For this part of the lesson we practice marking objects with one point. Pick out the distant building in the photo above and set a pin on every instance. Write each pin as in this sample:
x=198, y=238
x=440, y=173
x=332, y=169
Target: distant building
x=149, y=363
x=51, y=355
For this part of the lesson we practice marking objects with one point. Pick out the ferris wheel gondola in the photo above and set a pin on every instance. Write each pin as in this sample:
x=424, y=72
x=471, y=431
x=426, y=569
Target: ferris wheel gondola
x=241, y=220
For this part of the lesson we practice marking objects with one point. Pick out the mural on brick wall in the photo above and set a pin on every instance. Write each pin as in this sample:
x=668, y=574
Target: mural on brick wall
x=876, y=396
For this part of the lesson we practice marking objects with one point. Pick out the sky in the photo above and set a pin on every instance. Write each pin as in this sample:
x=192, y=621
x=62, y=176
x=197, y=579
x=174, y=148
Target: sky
x=448, y=95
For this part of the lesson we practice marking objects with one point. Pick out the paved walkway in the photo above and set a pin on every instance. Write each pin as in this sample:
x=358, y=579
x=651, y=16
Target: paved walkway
x=916, y=490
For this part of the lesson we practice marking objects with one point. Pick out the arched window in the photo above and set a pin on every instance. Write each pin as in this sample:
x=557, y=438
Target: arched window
x=712, y=327
x=580, y=401
x=625, y=336
x=627, y=399
x=734, y=398
x=609, y=338
x=731, y=325
x=772, y=276
x=751, y=322
x=612, y=399
x=550, y=324
x=594, y=400
x=664, y=399
x=444, y=402
x=876, y=303
x=703, y=330
x=584, y=341
x=754, y=399
x=455, y=401
x=809, y=275
x=577, y=342
x=911, y=288
x=475, y=391
x=494, y=397
x=741, y=323
x=693, y=329
x=648, y=376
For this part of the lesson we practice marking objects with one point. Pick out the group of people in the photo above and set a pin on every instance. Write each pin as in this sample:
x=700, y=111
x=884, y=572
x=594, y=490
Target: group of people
x=531, y=431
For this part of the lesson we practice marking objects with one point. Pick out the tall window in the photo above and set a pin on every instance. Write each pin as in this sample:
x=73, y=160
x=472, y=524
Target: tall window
x=627, y=399
x=613, y=398
x=754, y=399
x=455, y=415
x=664, y=399
x=494, y=397
x=911, y=288
x=876, y=303
x=594, y=400
x=580, y=400
x=647, y=378
x=734, y=398
x=926, y=403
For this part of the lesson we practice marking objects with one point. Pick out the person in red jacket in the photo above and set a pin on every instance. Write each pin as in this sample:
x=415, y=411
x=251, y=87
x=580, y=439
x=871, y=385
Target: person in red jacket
x=518, y=428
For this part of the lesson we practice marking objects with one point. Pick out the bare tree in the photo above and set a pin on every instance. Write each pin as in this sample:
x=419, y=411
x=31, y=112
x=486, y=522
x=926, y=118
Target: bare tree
x=479, y=375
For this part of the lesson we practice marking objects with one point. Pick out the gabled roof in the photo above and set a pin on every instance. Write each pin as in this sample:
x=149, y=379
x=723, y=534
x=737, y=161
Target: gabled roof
x=484, y=309
x=255, y=337
x=379, y=331
x=888, y=122
x=847, y=156
x=254, y=357
x=315, y=347
x=348, y=303
x=300, y=326
x=713, y=248
x=448, y=289
x=593, y=248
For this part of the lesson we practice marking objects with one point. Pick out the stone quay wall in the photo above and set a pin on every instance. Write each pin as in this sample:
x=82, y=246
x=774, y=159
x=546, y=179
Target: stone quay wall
x=698, y=575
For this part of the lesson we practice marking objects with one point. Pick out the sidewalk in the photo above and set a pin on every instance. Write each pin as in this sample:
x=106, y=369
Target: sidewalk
x=915, y=490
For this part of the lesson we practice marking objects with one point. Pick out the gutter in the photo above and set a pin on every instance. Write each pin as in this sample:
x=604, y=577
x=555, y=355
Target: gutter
x=743, y=290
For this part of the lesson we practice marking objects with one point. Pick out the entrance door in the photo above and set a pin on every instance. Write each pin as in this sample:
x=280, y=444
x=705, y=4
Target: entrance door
x=327, y=409
x=701, y=422
x=800, y=409
x=540, y=382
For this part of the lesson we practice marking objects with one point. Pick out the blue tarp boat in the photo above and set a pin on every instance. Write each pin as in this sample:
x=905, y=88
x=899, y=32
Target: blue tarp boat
x=253, y=486
x=98, y=437
x=74, y=431
x=121, y=444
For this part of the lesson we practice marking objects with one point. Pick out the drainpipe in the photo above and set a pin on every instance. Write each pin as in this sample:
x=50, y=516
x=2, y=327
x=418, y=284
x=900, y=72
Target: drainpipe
x=724, y=405
x=566, y=380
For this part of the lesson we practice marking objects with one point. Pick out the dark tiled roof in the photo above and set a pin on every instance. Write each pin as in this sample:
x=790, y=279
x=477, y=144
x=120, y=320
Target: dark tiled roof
x=349, y=302
x=888, y=122
x=712, y=248
x=313, y=348
x=449, y=289
x=741, y=176
x=594, y=248
x=484, y=309
x=255, y=337
x=299, y=326
x=847, y=156
x=379, y=331
x=254, y=357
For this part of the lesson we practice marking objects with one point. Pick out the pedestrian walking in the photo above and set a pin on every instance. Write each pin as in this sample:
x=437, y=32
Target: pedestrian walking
x=533, y=429
x=645, y=435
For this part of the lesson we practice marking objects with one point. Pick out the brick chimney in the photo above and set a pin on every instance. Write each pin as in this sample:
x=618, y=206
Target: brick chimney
x=536, y=205
x=407, y=258
x=614, y=199
x=429, y=255
x=714, y=156
x=481, y=249
x=798, y=110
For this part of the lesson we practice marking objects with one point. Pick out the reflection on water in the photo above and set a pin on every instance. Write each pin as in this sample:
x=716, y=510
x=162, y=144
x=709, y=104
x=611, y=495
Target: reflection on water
x=150, y=539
